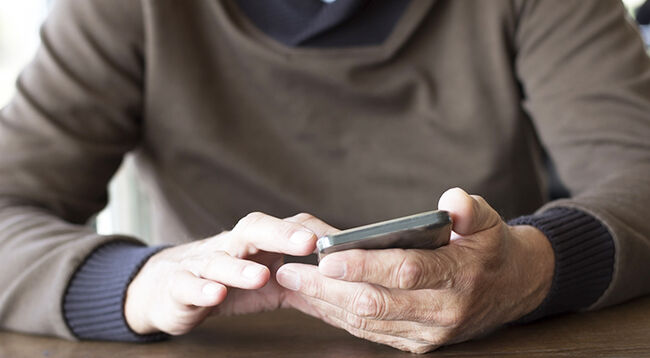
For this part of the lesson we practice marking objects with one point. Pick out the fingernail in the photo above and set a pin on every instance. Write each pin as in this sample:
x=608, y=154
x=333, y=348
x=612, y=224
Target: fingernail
x=289, y=279
x=333, y=268
x=253, y=272
x=211, y=290
x=301, y=237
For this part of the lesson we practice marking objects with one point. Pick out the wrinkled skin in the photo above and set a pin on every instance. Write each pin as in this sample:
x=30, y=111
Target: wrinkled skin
x=414, y=300
x=230, y=273
x=418, y=300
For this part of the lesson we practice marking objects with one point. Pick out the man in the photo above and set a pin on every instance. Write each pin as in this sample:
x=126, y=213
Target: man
x=354, y=111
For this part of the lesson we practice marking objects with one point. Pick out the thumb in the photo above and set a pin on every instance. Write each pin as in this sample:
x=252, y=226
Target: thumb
x=470, y=213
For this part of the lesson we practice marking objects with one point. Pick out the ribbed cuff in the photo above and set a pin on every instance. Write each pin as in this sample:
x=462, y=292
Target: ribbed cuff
x=584, y=259
x=93, y=305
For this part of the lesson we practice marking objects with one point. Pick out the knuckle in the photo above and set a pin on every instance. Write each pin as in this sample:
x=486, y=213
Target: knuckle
x=198, y=265
x=367, y=304
x=248, y=220
x=237, y=248
x=410, y=274
x=285, y=229
x=452, y=318
x=189, y=264
x=301, y=217
x=214, y=263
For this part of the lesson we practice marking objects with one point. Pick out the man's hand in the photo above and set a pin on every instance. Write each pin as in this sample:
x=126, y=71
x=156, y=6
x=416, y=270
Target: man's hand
x=180, y=286
x=417, y=300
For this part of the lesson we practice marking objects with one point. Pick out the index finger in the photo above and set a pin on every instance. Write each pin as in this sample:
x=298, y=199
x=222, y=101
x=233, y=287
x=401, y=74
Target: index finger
x=393, y=268
x=318, y=226
x=261, y=232
x=364, y=299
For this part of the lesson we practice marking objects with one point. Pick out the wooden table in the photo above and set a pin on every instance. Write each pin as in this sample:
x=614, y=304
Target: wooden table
x=622, y=331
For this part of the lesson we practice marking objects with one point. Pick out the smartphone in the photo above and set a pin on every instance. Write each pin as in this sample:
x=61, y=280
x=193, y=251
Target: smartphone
x=428, y=230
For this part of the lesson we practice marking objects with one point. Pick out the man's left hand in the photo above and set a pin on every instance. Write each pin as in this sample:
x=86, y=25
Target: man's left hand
x=417, y=300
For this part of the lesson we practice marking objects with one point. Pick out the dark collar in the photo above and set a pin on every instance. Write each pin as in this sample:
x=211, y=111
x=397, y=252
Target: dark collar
x=313, y=23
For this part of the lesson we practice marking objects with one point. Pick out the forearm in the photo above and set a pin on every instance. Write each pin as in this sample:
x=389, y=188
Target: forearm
x=590, y=112
x=39, y=254
x=619, y=202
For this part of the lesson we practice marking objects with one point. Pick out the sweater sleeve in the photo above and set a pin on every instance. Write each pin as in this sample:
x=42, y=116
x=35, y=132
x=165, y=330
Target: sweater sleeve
x=76, y=112
x=584, y=259
x=586, y=82
x=94, y=301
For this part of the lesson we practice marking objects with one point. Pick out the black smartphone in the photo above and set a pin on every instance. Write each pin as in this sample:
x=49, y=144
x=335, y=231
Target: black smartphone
x=428, y=230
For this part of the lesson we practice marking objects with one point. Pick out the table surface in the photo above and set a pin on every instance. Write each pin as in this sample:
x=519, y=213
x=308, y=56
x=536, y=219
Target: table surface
x=621, y=331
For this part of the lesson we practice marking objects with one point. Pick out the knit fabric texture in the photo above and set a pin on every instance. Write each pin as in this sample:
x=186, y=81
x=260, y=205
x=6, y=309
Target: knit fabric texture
x=94, y=301
x=584, y=259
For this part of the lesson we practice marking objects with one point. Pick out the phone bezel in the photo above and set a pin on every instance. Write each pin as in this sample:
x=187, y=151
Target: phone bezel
x=430, y=220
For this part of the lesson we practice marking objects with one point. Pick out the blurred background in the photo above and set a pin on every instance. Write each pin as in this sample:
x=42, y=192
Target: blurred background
x=128, y=209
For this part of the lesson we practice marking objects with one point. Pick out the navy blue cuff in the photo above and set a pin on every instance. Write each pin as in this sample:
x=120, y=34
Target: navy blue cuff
x=93, y=305
x=584, y=259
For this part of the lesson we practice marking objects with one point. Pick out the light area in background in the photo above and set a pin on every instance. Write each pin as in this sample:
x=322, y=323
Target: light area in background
x=19, y=24
x=632, y=4
x=128, y=211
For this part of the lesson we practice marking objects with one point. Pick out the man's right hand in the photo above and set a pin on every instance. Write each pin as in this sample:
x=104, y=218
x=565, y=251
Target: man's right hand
x=180, y=286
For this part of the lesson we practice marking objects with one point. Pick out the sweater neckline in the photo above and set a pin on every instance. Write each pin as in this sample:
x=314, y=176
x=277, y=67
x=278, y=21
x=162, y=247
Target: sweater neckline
x=312, y=23
x=247, y=34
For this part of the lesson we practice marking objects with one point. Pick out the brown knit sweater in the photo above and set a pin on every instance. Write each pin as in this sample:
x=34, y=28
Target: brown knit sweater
x=223, y=120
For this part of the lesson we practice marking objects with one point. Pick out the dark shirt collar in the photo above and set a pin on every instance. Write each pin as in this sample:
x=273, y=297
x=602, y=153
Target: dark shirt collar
x=314, y=23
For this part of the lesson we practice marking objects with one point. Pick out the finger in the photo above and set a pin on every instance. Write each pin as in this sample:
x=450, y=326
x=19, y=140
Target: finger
x=230, y=271
x=470, y=213
x=394, y=268
x=404, y=344
x=258, y=231
x=409, y=336
x=190, y=290
x=362, y=299
x=319, y=227
x=393, y=340
x=402, y=329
